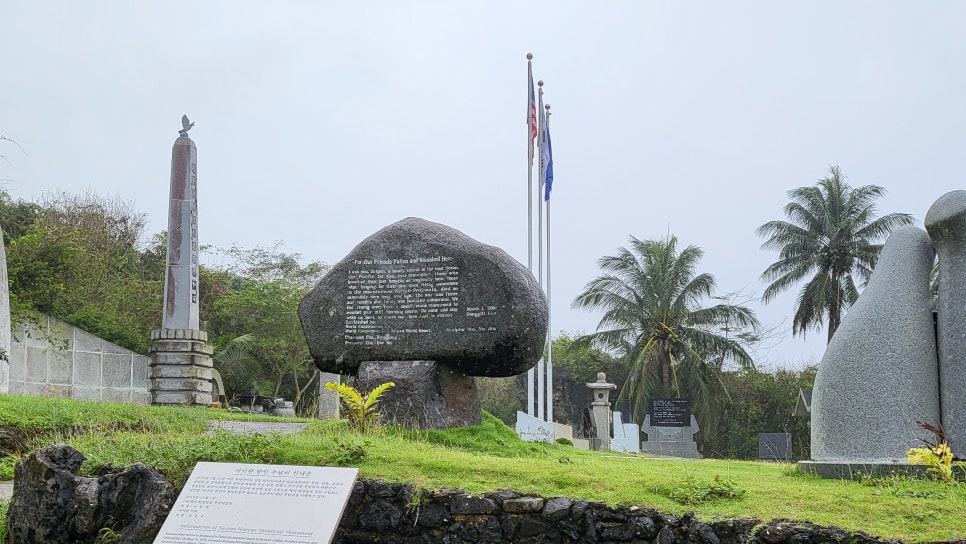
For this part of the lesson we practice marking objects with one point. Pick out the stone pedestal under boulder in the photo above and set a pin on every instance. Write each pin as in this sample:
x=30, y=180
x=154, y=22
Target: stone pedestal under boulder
x=51, y=504
x=427, y=394
x=878, y=377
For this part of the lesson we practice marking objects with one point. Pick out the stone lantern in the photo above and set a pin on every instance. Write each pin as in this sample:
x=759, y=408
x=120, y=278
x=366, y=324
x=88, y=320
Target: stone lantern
x=600, y=411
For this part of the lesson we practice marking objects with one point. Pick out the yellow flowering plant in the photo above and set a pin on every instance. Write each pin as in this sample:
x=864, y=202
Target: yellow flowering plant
x=360, y=409
x=938, y=459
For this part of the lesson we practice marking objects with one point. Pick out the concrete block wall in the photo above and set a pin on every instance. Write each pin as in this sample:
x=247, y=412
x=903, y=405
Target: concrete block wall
x=55, y=359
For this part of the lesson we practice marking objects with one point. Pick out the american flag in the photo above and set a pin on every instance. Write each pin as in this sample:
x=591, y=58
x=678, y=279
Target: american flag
x=531, y=112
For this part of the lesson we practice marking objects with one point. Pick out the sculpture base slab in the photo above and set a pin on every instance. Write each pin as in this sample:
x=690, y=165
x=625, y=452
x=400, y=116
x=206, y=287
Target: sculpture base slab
x=853, y=470
x=180, y=370
x=686, y=450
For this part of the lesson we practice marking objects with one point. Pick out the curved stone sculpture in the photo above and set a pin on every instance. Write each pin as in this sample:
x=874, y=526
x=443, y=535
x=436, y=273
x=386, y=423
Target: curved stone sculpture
x=418, y=291
x=946, y=223
x=878, y=377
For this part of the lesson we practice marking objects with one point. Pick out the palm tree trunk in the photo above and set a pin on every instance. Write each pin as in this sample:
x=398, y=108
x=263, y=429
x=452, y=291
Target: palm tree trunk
x=665, y=373
x=834, y=315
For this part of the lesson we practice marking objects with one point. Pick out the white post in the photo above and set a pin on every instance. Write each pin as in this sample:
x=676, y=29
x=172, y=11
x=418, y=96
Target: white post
x=541, y=389
x=549, y=304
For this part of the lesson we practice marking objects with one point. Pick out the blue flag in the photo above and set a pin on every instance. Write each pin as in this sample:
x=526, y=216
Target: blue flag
x=546, y=161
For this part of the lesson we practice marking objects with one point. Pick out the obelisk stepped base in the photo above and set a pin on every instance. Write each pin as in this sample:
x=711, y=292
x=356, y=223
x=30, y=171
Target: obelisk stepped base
x=180, y=368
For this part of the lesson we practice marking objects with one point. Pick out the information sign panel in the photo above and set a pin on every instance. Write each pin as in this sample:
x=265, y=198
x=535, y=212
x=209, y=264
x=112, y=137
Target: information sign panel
x=234, y=503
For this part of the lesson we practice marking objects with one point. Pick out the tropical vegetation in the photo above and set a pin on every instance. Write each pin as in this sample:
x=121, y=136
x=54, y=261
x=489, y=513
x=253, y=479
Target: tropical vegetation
x=652, y=296
x=831, y=239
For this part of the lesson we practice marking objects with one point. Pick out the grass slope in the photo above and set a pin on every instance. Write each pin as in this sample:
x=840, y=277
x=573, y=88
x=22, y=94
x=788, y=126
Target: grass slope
x=490, y=456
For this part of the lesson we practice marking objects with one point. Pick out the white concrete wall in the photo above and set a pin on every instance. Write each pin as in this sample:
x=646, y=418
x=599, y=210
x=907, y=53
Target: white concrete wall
x=60, y=360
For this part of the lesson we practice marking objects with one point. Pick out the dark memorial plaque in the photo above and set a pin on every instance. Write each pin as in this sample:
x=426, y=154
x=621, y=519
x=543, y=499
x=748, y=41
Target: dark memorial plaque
x=670, y=412
x=775, y=446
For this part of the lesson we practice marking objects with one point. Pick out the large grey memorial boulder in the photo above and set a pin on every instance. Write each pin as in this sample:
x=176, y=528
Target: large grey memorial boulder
x=946, y=223
x=418, y=290
x=51, y=504
x=4, y=321
x=427, y=307
x=878, y=376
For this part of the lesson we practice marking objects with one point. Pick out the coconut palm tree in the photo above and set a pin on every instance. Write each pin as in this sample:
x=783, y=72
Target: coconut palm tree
x=831, y=238
x=653, y=318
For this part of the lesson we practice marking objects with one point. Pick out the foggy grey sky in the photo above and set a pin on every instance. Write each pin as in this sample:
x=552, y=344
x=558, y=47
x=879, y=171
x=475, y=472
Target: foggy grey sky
x=318, y=123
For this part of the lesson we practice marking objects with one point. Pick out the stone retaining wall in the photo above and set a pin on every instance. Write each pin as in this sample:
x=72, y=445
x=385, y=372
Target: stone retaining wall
x=396, y=513
x=56, y=359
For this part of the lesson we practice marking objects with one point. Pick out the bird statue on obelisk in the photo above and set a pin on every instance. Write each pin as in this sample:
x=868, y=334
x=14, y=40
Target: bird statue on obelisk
x=181, y=366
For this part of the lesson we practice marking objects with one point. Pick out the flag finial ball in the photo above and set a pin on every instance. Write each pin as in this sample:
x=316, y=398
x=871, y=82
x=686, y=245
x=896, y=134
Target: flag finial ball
x=540, y=83
x=529, y=56
x=547, y=107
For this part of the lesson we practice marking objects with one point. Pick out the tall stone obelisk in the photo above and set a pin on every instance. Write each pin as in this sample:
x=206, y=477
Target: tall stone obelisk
x=180, y=369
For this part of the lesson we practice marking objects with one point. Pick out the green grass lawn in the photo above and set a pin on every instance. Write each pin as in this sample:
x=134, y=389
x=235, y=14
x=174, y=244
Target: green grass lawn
x=489, y=457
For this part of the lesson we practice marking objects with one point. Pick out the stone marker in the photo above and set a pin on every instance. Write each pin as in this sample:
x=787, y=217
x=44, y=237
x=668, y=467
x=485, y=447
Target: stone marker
x=946, y=223
x=4, y=321
x=417, y=291
x=600, y=411
x=180, y=368
x=775, y=446
x=878, y=376
x=51, y=504
x=224, y=503
x=671, y=441
x=328, y=399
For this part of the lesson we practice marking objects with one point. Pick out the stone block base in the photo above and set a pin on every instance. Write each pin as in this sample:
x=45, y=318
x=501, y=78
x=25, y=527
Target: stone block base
x=180, y=371
x=427, y=395
x=853, y=470
x=687, y=450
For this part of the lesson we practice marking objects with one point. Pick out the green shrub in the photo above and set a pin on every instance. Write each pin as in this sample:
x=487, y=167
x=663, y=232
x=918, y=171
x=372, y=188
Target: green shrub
x=6, y=468
x=694, y=491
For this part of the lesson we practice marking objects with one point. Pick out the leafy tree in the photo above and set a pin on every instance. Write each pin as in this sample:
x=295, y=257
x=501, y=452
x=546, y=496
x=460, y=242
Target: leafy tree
x=831, y=238
x=582, y=361
x=15, y=216
x=78, y=261
x=653, y=319
x=257, y=293
x=760, y=402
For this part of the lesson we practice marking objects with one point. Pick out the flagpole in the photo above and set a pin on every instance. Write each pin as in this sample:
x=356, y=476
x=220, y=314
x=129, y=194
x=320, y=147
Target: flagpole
x=540, y=383
x=530, y=112
x=549, y=304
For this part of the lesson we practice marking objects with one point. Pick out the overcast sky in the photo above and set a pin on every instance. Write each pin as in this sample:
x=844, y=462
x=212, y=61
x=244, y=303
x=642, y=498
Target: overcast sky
x=318, y=123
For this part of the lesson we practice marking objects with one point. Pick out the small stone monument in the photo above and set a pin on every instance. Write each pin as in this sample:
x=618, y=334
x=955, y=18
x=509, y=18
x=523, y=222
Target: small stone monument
x=426, y=307
x=328, y=399
x=670, y=429
x=600, y=412
x=775, y=446
x=180, y=367
x=4, y=321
